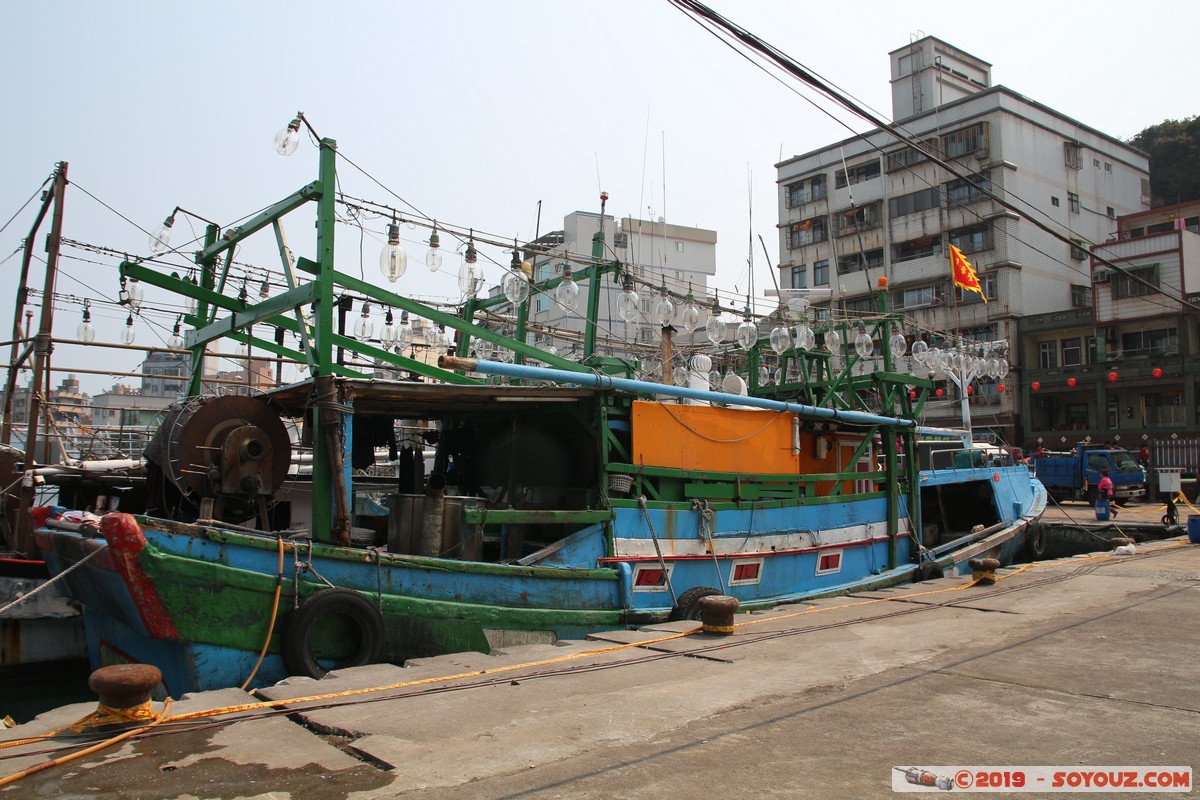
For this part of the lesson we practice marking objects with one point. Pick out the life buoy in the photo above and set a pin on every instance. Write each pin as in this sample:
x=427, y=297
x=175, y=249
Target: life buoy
x=688, y=604
x=363, y=618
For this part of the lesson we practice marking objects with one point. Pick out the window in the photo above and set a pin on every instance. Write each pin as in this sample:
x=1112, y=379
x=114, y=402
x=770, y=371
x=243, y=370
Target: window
x=820, y=271
x=1072, y=352
x=1111, y=212
x=620, y=240
x=1092, y=350
x=1078, y=249
x=1054, y=201
x=1096, y=163
x=966, y=141
x=799, y=278
x=914, y=203
x=862, y=305
x=1137, y=282
x=679, y=247
x=918, y=248
x=966, y=192
x=1159, y=342
x=1073, y=155
x=1073, y=202
x=1081, y=296
x=917, y=297
x=856, y=262
x=909, y=156
x=863, y=218
x=975, y=239
x=986, y=282
x=1107, y=167
x=645, y=333
x=1165, y=410
x=857, y=174
x=796, y=196
x=1048, y=355
x=810, y=231
x=816, y=189
x=1076, y=417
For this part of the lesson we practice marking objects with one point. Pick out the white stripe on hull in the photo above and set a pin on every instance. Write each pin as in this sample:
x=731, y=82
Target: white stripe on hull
x=734, y=544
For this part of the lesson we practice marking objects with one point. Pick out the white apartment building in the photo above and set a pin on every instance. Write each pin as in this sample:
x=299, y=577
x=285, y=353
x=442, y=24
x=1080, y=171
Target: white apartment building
x=870, y=207
x=656, y=253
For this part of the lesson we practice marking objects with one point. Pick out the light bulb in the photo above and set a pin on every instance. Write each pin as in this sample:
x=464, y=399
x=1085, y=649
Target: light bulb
x=405, y=338
x=470, y=276
x=764, y=375
x=898, y=344
x=288, y=138
x=664, y=309
x=747, y=334
x=690, y=319
x=1002, y=368
x=628, y=303
x=920, y=351
x=433, y=259
x=392, y=259
x=364, y=329
x=715, y=328
x=566, y=294
x=388, y=335
x=833, y=342
x=161, y=237
x=264, y=290
x=781, y=340
x=86, y=332
x=863, y=344
x=175, y=342
x=805, y=338
x=516, y=286
x=679, y=376
x=128, y=335
x=135, y=294
x=933, y=359
x=714, y=380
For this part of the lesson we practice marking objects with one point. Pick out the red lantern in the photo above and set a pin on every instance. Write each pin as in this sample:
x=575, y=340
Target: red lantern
x=1070, y=381
x=912, y=395
x=939, y=393
x=1112, y=376
x=1157, y=372
x=970, y=390
x=1035, y=386
x=1000, y=388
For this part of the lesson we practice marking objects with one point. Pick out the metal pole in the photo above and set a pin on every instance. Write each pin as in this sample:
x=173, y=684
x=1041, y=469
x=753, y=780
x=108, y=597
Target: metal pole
x=43, y=344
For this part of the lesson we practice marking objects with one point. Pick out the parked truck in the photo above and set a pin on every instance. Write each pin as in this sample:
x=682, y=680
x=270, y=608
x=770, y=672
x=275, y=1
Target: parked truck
x=1074, y=475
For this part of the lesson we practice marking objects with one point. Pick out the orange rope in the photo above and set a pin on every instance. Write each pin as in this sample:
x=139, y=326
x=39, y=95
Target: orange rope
x=274, y=613
x=54, y=762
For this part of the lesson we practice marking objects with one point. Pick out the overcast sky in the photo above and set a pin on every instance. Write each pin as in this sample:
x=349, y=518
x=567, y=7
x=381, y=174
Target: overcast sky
x=474, y=111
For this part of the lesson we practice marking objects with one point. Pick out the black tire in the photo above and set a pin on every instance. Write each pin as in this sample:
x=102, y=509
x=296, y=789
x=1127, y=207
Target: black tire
x=362, y=616
x=1035, y=542
x=687, y=606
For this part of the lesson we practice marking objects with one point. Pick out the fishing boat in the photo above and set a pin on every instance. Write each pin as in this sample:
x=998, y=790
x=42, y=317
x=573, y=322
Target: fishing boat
x=532, y=500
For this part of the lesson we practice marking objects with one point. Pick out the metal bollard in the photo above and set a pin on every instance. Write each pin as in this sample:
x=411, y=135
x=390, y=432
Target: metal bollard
x=124, y=691
x=716, y=613
x=983, y=570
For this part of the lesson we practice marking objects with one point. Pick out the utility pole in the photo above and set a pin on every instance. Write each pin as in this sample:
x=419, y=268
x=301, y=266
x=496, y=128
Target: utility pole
x=43, y=344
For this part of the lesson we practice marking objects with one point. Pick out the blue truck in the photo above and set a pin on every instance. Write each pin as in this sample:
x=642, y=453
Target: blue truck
x=1074, y=475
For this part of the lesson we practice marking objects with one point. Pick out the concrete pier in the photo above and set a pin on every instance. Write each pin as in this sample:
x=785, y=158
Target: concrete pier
x=1090, y=660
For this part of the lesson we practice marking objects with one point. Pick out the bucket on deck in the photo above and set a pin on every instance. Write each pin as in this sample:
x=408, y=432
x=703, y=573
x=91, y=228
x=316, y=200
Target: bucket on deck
x=1193, y=528
x=1102, y=510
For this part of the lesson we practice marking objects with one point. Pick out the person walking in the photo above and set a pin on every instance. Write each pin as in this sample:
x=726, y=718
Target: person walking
x=1104, y=494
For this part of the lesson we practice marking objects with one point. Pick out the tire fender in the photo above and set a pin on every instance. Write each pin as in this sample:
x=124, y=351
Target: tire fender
x=688, y=604
x=361, y=614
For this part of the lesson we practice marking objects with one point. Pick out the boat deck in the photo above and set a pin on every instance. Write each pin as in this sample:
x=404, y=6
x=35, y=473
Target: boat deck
x=1082, y=661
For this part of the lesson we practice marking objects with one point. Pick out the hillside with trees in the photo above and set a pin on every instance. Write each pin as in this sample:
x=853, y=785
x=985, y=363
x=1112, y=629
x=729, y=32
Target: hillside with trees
x=1174, y=148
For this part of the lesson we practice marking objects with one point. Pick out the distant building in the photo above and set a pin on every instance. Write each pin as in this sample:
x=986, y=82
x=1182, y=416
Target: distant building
x=868, y=207
x=656, y=253
x=1125, y=368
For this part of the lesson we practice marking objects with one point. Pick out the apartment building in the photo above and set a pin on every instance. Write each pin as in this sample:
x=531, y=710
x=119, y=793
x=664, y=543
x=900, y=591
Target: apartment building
x=871, y=206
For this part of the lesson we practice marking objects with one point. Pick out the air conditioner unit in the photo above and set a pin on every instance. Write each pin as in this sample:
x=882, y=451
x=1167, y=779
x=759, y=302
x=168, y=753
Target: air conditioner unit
x=1101, y=276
